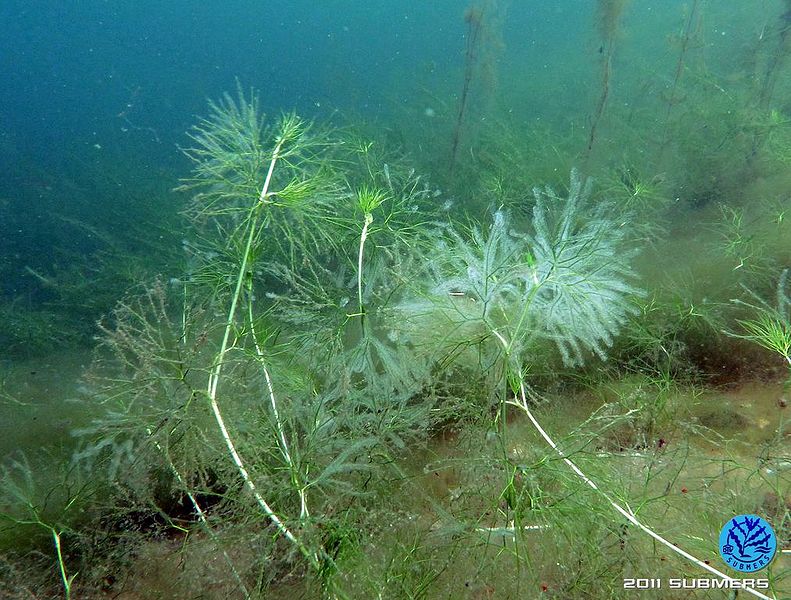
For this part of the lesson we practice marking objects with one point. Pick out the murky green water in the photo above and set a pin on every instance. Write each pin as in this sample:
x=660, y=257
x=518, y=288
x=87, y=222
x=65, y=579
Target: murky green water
x=275, y=344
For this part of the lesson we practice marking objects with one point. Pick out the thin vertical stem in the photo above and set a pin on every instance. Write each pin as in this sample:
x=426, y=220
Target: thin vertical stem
x=214, y=376
x=363, y=236
x=61, y=565
x=281, y=432
x=679, y=69
x=474, y=20
x=605, y=93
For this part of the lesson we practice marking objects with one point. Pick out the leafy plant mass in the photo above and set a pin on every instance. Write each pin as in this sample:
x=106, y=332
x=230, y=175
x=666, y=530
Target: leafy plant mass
x=555, y=364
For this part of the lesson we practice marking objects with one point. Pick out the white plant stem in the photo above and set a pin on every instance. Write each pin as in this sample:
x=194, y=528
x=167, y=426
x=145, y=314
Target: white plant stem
x=625, y=512
x=225, y=346
x=202, y=516
x=304, y=513
x=363, y=236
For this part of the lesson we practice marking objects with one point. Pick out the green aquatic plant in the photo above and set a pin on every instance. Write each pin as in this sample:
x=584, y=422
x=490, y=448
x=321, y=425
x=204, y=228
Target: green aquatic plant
x=657, y=340
x=32, y=504
x=232, y=151
x=497, y=299
x=770, y=332
x=369, y=378
x=368, y=200
x=213, y=161
x=566, y=280
x=739, y=241
x=770, y=327
x=175, y=366
x=634, y=191
x=509, y=291
x=256, y=381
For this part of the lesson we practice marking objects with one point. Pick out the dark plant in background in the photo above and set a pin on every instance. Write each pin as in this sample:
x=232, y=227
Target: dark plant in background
x=485, y=21
x=608, y=17
x=690, y=29
x=777, y=61
x=768, y=118
x=473, y=16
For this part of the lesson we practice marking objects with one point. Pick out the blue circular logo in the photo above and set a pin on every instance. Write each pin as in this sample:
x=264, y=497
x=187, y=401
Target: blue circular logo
x=747, y=543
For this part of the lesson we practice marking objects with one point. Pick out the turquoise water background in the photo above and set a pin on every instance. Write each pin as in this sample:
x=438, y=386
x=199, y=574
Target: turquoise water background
x=97, y=96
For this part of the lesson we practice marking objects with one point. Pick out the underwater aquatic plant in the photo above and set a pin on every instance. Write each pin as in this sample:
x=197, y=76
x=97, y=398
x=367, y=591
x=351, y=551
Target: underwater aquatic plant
x=232, y=154
x=368, y=200
x=367, y=375
x=484, y=43
x=608, y=15
x=515, y=289
x=771, y=326
x=583, y=269
x=473, y=16
x=278, y=208
x=566, y=280
x=51, y=511
x=686, y=38
x=285, y=141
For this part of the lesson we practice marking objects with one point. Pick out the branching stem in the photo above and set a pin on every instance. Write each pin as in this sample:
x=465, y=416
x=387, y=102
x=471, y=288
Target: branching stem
x=627, y=513
x=281, y=432
x=214, y=376
x=67, y=581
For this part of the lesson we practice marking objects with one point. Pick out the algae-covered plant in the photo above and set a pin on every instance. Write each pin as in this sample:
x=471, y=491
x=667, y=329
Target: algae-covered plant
x=270, y=397
x=330, y=365
x=324, y=425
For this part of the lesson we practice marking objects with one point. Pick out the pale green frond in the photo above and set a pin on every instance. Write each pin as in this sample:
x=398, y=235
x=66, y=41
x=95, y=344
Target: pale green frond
x=769, y=332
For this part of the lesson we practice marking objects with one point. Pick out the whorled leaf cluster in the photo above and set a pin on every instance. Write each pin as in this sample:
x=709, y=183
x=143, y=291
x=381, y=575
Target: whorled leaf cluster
x=566, y=278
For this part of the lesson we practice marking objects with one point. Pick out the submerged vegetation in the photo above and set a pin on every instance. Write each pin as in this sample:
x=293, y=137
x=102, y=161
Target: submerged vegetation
x=346, y=376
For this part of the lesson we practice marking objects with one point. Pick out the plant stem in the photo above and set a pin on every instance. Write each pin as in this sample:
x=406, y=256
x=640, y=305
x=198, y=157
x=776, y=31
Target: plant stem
x=605, y=93
x=474, y=18
x=214, y=376
x=363, y=236
x=625, y=512
x=282, y=442
x=202, y=517
x=677, y=77
x=61, y=565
